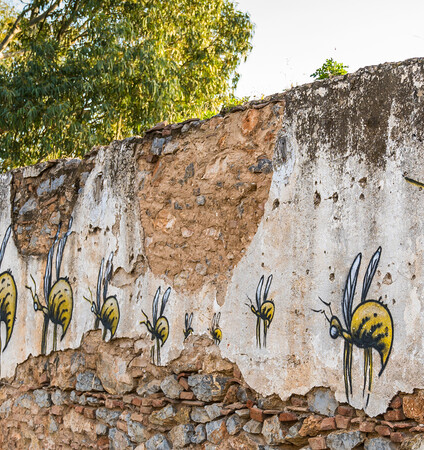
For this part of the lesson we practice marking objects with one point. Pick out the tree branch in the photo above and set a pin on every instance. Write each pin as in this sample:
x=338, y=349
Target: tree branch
x=17, y=29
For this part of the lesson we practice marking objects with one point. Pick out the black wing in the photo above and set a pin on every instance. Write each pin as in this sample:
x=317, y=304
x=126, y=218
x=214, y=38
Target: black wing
x=267, y=287
x=259, y=292
x=99, y=284
x=155, y=306
x=164, y=300
x=349, y=290
x=4, y=243
x=108, y=276
x=48, y=274
x=369, y=275
x=61, y=247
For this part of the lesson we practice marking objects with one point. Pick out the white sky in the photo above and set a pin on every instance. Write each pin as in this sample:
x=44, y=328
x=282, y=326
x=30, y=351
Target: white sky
x=295, y=37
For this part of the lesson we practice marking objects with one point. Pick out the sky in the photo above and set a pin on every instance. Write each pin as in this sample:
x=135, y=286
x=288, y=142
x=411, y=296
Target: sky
x=294, y=37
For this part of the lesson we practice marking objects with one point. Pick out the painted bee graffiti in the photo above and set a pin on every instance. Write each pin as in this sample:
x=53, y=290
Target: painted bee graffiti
x=8, y=296
x=368, y=326
x=264, y=310
x=58, y=298
x=215, y=331
x=160, y=329
x=188, y=329
x=108, y=312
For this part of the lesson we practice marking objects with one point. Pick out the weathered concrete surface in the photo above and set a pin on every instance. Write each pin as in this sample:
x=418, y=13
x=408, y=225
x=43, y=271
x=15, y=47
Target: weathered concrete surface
x=294, y=186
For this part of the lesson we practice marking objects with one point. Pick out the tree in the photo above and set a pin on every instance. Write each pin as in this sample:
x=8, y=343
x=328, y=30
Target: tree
x=329, y=69
x=78, y=73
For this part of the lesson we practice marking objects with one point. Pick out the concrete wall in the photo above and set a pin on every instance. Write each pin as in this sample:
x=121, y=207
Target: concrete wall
x=294, y=186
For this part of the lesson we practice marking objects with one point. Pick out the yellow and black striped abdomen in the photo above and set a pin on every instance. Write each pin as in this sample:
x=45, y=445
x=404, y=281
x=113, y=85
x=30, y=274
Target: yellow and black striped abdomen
x=217, y=335
x=372, y=327
x=162, y=329
x=109, y=315
x=8, y=300
x=61, y=303
x=267, y=311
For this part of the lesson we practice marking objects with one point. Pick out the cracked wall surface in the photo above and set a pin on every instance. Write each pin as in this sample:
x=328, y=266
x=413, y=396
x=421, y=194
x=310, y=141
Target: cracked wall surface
x=293, y=186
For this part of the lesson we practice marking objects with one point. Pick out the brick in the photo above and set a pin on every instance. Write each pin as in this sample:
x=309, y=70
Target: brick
x=388, y=424
x=146, y=409
x=158, y=402
x=418, y=429
x=184, y=383
x=257, y=414
x=298, y=401
x=287, y=417
x=90, y=413
x=57, y=410
x=328, y=423
x=396, y=402
x=137, y=401
x=367, y=427
x=193, y=402
x=186, y=395
x=79, y=409
x=317, y=443
x=346, y=410
x=128, y=399
x=249, y=403
x=44, y=378
x=112, y=403
x=382, y=430
x=103, y=442
x=394, y=415
x=397, y=437
x=121, y=425
x=404, y=424
x=137, y=417
x=147, y=401
x=342, y=422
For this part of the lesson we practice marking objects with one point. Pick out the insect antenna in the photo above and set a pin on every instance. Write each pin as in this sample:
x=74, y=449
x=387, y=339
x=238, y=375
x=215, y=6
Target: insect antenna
x=250, y=300
x=321, y=311
x=327, y=304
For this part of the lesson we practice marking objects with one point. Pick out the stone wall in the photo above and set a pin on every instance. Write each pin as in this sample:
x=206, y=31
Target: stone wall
x=253, y=279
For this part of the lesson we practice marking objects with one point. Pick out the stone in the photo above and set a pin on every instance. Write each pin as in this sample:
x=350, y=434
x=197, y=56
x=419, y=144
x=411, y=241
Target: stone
x=216, y=431
x=322, y=401
x=311, y=426
x=367, y=427
x=396, y=402
x=379, y=443
x=272, y=402
x=244, y=413
x=181, y=435
x=382, y=430
x=109, y=416
x=263, y=165
x=53, y=427
x=234, y=424
x=199, y=434
x=59, y=397
x=414, y=443
x=5, y=408
x=114, y=374
x=164, y=416
x=101, y=429
x=200, y=200
x=42, y=398
x=394, y=415
x=157, y=146
x=137, y=432
x=170, y=387
x=253, y=426
x=88, y=381
x=294, y=437
x=214, y=410
x=317, y=443
x=342, y=422
x=208, y=388
x=152, y=387
x=272, y=431
x=158, y=442
x=24, y=401
x=119, y=440
x=345, y=441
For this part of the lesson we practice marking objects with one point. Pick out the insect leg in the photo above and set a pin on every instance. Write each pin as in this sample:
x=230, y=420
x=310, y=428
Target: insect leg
x=54, y=337
x=369, y=374
x=347, y=368
x=104, y=333
x=258, y=332
x=365, y=369
x=265, y=330
x=44, y=336
x=158, y=352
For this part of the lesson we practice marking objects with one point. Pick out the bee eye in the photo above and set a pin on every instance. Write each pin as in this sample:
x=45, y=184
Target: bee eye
x=35, y=307
x=334, y=332
x=92, y=308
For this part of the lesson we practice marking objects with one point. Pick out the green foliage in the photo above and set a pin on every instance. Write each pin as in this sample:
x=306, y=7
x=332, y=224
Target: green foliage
x=90, y=72
x=329, y=69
